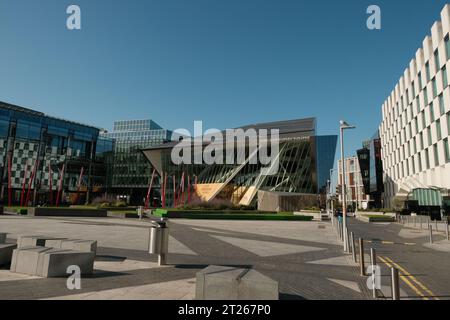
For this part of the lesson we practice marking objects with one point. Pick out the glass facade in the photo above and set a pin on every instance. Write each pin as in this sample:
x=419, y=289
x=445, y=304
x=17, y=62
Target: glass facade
x=129, y=171
x=304, y=159
x=34, y=150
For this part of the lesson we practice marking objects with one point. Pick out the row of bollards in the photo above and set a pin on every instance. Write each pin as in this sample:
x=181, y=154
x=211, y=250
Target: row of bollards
x=395, y=288
x=412, y=220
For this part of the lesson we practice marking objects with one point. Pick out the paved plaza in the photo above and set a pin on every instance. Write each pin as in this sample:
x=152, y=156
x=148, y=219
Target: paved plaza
x=304, y=257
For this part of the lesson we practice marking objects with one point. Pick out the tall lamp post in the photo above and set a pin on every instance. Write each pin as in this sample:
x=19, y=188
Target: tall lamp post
x=330, y=191
x=343, y=126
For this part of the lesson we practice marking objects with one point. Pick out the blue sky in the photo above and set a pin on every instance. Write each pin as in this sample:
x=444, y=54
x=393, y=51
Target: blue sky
x=226, y=62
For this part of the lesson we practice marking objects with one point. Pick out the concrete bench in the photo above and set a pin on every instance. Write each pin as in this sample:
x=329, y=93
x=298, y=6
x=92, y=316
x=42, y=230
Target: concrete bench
x=6, y=252
x=73, y=244
x=34, y=241
x=230, y=283
x=50, y=262
x=2, y=237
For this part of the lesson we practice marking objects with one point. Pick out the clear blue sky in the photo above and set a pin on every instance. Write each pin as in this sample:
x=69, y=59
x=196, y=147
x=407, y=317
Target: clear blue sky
x=226, y=62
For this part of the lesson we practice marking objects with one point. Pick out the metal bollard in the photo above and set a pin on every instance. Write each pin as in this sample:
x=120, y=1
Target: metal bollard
x=159, y=241
x=436, y=223
x=361, y=257
x=430, y=228
x=373, y=257
x=373, y=261
x=395, y=287
x=415, y=221
x=446, y=230
x=352, y=243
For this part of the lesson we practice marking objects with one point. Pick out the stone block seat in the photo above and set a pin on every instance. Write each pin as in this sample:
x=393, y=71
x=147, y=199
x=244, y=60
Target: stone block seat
x=6, y=252
x=50, y=262
x=2, y=237
x=231, y=283
x=46, y=256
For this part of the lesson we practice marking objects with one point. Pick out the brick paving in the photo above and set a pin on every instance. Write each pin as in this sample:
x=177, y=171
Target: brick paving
x=304, y=257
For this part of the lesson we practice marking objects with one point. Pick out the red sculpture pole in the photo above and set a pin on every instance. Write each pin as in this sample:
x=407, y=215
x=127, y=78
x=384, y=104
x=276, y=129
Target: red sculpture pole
x=174, y=192
x=79, y=184
x=22, y=194
x=9, y=181
x=50, y=180
x=180, y=194
x=36, y=164
x=164, y=191
x=58, y=195
x=147, y=199
x=189, y=189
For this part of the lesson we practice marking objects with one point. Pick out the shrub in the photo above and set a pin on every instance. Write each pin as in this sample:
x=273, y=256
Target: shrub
x=120, y=204
x=22, y=211
x=103, y=200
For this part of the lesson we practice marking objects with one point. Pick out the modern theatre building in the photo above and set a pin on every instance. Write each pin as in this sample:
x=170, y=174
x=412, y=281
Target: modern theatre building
x=303, y=163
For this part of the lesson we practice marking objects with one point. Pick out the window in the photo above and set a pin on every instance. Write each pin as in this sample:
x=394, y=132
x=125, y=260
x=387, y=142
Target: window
x=431, y=112
x=425, y=96
x=448, y=123
x=419, y=158
x=420, y=81
x=438, y=130
x=423, y=120
x=441, y=104
x=429, y=136
x=437, y=64
x=427, y=70
x=418, y=105
x=427, y=158
x=447, y=47
x=434, y=87
x=446, y=150
x=444, y=77
x=436, y=155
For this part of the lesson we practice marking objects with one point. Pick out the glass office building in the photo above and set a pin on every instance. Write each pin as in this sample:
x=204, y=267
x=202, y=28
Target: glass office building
x=129, y=171
x=305, y=160
x=371, y=164
x=40, y=155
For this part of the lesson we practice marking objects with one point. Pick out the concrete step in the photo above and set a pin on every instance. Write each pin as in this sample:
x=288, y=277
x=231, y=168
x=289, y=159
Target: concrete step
x=6, y=252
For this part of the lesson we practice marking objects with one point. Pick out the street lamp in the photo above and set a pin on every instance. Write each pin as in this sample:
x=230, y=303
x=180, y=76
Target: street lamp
x=330, y=192
x=342, y=126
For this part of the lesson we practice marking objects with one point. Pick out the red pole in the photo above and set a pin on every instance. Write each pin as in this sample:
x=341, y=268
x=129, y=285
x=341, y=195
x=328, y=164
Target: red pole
x=36, y=164
x=181, y=190
x=79, y=184
x=189, y=189
x=174, y=193
x=147, y=199
x=58, y=195
x=22, y=194
x=164, y=190
x=9, y=180
x=50, y=179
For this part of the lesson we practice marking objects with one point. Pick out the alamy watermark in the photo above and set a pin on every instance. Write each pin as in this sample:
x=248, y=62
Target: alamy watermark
x=231, y=147
x=374, y=20
x=74, y=280
x=73, y=21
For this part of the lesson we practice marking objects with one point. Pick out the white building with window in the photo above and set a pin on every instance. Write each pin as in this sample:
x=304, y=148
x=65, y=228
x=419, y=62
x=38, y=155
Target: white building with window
x=353, y=182
x=415, y=128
